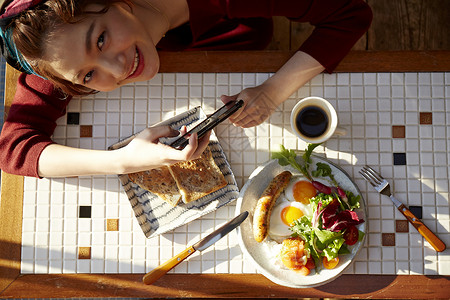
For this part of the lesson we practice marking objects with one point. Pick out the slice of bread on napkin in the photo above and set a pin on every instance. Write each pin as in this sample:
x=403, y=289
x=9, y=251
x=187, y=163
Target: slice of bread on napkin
x=198, y=178
x=159, y=182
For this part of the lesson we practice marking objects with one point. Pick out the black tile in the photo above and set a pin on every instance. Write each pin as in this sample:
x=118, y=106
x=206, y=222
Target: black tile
x=400, y=159
x=85, y=212
x=416, y=210
x=73, y=118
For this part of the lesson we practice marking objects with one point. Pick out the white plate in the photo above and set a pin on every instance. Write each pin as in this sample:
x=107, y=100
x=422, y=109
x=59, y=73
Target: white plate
x=259, y=253
x=156, y=216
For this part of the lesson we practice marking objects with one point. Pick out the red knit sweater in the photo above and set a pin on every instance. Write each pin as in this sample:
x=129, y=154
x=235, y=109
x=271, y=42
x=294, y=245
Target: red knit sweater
x=214, y=25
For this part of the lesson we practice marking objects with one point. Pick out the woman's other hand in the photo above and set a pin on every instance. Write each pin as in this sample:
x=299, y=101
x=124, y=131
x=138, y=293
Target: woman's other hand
x=261, y=101
x=258, y=106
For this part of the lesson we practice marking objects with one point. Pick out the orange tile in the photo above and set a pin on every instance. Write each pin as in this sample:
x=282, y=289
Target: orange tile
x=398, y=132
x=401, y=226
x=112, y=225
x=84, y=252
x=426, y=118
x=85, y=130
x=388, y=239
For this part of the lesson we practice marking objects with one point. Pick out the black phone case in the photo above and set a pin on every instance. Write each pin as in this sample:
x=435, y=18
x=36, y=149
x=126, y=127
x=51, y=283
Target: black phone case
x=209, y=123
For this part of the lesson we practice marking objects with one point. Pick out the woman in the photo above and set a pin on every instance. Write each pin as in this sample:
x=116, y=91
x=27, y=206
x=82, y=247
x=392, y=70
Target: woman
x=79, y=47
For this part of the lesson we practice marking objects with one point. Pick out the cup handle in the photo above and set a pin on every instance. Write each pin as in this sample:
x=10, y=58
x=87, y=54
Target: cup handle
x=340, y=131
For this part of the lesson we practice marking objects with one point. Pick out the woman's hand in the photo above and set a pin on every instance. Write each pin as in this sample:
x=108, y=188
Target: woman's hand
x=261, y=101
x=258, y=106
x=145, y=151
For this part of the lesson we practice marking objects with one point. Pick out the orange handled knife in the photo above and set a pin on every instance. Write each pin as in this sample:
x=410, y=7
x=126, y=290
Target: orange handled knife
x=213, y=237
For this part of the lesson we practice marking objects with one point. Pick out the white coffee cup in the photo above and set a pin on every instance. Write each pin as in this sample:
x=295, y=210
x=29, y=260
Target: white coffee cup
x=314, y=120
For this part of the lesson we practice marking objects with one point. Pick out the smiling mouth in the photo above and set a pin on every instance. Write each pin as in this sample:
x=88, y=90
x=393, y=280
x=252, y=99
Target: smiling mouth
x=136, y=63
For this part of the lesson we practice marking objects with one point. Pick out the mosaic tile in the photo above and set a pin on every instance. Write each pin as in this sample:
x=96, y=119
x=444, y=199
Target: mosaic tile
x=112, y=224
x=416, y=210
x=426, y=118
x=73, y=118
x=401, y=226
x=398, y=132
x=84, y=252
x=388, y=239
x=85, y=130
x=84, y=211
x=399, y=159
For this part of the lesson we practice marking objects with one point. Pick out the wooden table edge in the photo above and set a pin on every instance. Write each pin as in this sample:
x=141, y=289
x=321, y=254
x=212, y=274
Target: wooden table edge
x=221, y=61
x=225, y=286
x=271, y=61
x=11, y=208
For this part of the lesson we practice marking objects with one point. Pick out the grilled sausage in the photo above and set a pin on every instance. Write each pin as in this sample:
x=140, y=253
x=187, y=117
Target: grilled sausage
x=265, y=204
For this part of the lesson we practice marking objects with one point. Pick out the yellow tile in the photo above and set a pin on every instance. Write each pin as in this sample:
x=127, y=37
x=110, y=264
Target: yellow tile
x=112, y=225
x=84, y=252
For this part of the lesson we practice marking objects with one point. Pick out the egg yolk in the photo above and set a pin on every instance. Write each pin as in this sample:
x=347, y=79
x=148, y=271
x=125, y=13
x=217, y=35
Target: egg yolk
x=290, y=213
x=303, y=191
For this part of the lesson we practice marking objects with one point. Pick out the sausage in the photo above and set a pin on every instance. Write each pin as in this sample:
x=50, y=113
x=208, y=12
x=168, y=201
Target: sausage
x=265, y=204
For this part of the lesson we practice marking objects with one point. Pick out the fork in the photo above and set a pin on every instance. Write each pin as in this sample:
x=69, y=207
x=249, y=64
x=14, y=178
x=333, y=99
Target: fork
x=381, y=185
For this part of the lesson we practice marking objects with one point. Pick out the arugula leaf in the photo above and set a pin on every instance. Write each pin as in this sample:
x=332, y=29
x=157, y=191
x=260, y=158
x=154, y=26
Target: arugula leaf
x=286, y=157
x=303, y=228
x=353, y=200
x=324, y=170
x=307, y=155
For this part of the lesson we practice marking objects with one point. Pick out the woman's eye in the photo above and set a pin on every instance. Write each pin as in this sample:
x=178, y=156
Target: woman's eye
x=101, y=41
x=88, y=77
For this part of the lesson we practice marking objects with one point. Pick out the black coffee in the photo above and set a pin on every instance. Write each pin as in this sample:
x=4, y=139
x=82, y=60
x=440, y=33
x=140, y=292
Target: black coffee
x=312, y=121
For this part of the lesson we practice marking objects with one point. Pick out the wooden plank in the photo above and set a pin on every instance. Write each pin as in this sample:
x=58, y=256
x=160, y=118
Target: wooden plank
x=225, y=286
x=281, y=34
x=299, y=33
x=11, y=206
x=271, y=61
x=409, y=25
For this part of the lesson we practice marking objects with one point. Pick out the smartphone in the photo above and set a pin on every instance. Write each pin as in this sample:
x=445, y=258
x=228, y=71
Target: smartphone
x=209, y=123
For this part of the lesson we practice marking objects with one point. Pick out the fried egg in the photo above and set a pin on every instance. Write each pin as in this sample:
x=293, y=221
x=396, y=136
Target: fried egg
x=300, y=190
x=284, y=214
x=292, y=205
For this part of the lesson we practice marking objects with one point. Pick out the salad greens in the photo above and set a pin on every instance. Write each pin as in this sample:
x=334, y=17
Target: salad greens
x=325, y=233
x=286, y=157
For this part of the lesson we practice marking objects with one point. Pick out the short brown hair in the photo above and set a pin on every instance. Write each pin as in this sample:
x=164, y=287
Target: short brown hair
x=32, y=28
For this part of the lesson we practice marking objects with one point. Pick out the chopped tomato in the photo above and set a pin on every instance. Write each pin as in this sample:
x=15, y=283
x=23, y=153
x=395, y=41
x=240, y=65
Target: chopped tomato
x=303, y=271
x=330, y=264
x=351, y=235
x=310, y=264
x=292, y=253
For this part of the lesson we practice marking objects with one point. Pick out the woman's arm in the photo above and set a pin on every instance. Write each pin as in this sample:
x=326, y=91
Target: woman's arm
x=338, y=26
x=144, y=152
x=27, y=149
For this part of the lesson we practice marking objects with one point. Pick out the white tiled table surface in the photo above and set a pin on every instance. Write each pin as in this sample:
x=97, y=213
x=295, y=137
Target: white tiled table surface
x=368, y=105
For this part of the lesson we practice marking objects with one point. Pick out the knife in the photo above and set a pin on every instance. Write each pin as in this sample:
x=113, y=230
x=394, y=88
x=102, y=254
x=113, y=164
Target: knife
x=204, y=243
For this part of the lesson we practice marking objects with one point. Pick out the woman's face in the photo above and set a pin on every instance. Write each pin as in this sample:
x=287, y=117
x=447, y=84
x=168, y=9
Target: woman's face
x=103, y=51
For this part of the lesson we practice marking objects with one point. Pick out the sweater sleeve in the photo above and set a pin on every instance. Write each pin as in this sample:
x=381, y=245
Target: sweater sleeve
x=339, y=24
x=30, y=122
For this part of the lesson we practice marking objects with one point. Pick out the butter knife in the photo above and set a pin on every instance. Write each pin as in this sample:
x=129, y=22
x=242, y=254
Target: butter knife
x=201, y=245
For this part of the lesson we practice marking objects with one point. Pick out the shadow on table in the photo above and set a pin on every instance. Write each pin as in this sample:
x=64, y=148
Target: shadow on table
x=349, y=285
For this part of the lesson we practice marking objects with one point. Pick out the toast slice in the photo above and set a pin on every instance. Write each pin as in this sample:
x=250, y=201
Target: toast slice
x=198, y=178
x=159, y=182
